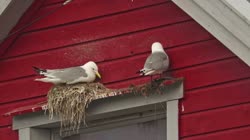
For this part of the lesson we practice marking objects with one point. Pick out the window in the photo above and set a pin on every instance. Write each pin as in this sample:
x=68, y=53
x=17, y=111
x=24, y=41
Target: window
x=151, y=130
x=121, y=117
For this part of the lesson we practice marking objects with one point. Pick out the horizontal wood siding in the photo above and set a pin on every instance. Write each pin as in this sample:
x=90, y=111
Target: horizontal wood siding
x=105, y=27
x=231, y=134
x=8, y=133
x=118, y=36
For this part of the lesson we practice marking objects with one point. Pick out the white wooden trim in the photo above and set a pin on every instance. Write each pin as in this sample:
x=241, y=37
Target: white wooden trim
x=118, y=122
x=24, y=134
x=3, y=5
x=119, y=110
x=172, y=114
x=108, y=107
x=34, y=134
x=216, y=17
x=11, y=14
x=230, y=20
x=240, y=7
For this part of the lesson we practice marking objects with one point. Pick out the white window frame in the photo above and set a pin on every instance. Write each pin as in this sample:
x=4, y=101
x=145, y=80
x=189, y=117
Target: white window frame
x=37, y=126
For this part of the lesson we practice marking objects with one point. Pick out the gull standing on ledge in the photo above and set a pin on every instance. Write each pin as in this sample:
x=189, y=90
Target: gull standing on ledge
x=157, y=62
x=86, y=73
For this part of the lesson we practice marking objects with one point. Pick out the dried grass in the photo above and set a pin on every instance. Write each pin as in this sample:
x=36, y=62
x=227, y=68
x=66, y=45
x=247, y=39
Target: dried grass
x=70, y=102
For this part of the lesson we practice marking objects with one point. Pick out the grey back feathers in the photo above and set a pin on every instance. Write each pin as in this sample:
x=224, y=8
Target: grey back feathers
x=72, y=75
x=68, y=74
x=157, y=62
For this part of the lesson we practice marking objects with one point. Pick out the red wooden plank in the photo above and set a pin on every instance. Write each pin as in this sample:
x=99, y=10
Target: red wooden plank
x=29, y=15
x=4, y=108
x=120, y=47
x=97, y=29
x=25, y=19
x=27, y=109
x=198, y=53
x=22, y=89
x=81, y=10
x=68, y=13
x=7, y=133
x=234, y=134
x=5, y=45
x=214, y=73
x=215, y=120
x=221, y=95
x=206, y=48
x=195, y=76
x=118, y=70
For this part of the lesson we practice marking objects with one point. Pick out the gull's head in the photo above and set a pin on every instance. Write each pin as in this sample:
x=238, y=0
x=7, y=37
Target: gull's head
x=156, y=47
x=92, y=65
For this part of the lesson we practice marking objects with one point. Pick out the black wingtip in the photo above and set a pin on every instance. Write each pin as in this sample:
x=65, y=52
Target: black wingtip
x=38, y=70
x=140, y=72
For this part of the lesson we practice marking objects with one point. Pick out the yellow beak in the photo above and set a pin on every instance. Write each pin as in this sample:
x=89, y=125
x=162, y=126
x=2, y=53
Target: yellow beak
x=97, y=74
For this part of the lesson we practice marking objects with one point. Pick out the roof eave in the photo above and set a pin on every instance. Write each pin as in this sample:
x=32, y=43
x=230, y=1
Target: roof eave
x=10, y=12
x=223, y=22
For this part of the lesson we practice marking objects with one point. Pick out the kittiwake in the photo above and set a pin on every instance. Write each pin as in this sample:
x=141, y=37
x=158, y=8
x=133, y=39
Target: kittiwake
x=85, y=73
x=157, y=62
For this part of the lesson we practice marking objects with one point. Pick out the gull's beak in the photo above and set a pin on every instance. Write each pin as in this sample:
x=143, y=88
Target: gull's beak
x=97, y=74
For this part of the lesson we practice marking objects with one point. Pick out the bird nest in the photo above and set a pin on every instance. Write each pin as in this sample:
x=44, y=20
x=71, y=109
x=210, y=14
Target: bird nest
x=70, y=102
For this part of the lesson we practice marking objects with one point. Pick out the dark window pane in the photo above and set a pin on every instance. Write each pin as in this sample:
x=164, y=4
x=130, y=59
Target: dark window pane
x=152, y=130
x=74, y=137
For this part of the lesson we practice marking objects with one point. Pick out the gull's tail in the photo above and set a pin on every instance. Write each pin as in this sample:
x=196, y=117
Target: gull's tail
x=39, y=71
x=141, y=72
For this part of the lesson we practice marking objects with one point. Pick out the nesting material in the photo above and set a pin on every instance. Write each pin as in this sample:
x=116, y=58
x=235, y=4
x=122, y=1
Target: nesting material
x=70, y=102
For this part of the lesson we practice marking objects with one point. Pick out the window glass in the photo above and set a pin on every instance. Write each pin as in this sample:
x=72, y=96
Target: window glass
x=151, y=130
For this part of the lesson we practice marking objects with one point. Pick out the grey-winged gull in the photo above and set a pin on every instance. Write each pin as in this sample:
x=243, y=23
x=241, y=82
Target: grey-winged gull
x=85, y=73
x=157, y=62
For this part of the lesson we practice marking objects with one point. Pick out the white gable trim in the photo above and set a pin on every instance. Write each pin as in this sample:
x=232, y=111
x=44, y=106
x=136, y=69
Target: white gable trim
x=241, y=7
x=3, y=5
x=10, y=13
x=222, y=21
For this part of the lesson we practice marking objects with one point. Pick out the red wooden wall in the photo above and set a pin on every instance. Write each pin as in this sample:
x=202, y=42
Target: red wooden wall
x=118, y=36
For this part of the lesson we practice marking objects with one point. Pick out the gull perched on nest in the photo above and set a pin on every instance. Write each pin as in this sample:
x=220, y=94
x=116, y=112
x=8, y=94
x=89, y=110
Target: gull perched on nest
x=157, y=62
x=85, y=73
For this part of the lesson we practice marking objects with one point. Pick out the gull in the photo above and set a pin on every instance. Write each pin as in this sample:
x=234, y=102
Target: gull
x=85, y=73
x=157, y=62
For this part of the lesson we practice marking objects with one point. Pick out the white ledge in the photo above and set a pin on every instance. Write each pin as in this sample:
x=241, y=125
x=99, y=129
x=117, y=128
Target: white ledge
x=106, y=108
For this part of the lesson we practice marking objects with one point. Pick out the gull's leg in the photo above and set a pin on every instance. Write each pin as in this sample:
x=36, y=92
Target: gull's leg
x=168, y=76
x=151, y=81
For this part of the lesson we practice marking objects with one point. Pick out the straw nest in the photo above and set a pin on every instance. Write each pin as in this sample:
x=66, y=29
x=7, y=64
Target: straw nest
x=70, y=102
